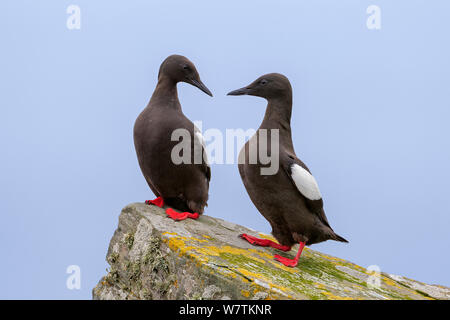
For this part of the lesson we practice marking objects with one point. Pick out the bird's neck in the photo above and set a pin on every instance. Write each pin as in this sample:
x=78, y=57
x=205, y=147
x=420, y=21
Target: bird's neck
x=278, y=116
x=278, y=113
x=166, y=94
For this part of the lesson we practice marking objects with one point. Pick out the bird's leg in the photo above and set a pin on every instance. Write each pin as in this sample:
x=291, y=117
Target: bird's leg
x=263, y=242
x=159, y=202
x=291, y=262
x=177, y=216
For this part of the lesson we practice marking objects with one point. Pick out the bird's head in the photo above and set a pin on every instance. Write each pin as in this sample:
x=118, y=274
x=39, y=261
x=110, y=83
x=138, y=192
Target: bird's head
x=269, y=86
x=180, y=69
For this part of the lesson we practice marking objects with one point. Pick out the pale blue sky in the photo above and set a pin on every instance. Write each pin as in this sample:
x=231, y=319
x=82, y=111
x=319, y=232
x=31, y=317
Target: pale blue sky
x=371, y=120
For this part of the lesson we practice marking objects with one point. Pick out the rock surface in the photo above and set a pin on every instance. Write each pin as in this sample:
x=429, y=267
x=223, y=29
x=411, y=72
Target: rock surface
x=153, y=257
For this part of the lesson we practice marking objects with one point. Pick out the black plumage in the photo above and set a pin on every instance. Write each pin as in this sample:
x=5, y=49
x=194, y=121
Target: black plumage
x=289, y=199
x=182, y=186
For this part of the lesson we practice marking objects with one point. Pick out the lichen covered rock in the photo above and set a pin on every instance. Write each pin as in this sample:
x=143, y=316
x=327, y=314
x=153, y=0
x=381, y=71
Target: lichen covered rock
x=153, y=257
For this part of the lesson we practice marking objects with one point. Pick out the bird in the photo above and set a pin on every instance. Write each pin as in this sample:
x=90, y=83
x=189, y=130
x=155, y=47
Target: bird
x=179, y=185
x=289, y=197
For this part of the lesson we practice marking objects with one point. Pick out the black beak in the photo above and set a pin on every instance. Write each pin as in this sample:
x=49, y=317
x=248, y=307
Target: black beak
x=239, y=92
x=201, y=86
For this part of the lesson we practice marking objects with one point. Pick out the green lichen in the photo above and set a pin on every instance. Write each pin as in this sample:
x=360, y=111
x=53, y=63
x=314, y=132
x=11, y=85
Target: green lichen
x=113, y=257
x=162, y=285
x=291, y=281
x=129, y=240
x=134, y=270
x=424, y=294
x=153, y=250
x=154, y=257
x=194, y=296
x=146, y=294
x=243, y=271
x=112, y=277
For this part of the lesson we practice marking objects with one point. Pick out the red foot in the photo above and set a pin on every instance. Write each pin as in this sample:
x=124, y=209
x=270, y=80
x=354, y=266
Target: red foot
x=286, y=261
x=177, y=216
x=159, y=202
x=263, y=242
x=291, y=262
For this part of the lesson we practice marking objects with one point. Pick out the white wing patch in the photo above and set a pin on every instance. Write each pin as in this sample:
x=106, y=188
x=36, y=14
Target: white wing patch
x=305, y=183
x=201, y=140
x=199, y=136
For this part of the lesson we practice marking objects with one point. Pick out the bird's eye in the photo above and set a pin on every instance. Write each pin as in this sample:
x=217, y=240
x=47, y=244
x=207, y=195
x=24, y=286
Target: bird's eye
x=186, y=67
x=263, y=81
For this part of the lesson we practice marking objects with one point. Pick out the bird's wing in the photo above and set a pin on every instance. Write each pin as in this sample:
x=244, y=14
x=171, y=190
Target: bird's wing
x=306, y=185
x=200, y=146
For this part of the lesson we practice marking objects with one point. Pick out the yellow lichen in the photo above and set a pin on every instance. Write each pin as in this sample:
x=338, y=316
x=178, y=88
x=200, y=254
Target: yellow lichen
x=260, y=253
x=263, y=273
x=263, y=281
x=319, y=285
x=198, y=240
x=332, y=296
x=266, y=236
x=169, y=233
x=389, y=282
x=245, y=293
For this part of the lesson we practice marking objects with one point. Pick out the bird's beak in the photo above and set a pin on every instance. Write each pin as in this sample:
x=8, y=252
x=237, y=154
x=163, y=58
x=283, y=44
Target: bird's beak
x=201, y=86
x=239, y=92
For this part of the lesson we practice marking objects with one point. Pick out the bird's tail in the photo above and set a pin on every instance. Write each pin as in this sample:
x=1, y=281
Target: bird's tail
x=178, y=204
x=338, y=238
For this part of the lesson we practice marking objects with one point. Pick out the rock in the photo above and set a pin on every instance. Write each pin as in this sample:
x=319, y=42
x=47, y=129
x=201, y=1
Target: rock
x=211, y=292
x=153, y=257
